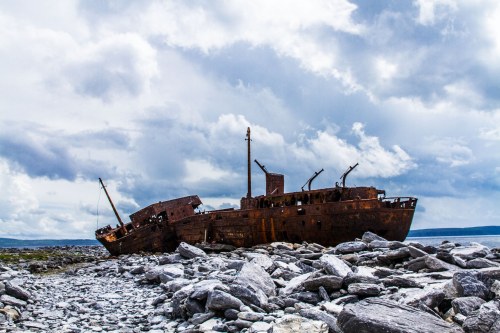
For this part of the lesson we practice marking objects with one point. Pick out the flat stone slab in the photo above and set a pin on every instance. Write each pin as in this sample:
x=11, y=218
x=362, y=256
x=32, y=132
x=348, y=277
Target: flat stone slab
x=380, y=315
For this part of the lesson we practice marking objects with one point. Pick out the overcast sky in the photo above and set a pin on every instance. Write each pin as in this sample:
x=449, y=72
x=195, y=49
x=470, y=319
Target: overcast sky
x=155, y=98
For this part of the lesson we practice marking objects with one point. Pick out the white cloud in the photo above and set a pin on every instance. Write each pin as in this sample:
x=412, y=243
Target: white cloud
x=202, y=170
x=431, y=11
x=373, y=159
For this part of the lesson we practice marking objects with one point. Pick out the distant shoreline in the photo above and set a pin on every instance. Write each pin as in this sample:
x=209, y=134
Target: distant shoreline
x=456, y=232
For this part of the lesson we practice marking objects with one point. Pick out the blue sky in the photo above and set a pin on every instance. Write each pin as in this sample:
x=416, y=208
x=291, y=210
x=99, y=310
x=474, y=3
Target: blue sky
x=155, y=98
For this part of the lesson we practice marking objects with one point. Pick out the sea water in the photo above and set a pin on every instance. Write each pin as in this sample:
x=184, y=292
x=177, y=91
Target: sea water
x=489, y=241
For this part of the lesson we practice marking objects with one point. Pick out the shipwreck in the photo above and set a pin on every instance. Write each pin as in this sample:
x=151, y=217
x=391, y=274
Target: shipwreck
x=325, y=216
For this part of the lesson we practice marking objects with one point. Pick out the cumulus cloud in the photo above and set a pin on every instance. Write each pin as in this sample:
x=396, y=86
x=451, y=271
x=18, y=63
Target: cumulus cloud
x=373, y=159
x=119, y=64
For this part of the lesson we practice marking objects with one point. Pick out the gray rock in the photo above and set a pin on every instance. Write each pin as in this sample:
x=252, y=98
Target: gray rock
x=16, y=291
x=465, y=305
x=35, y=324
x=250, y=316
x=189, y=251
x=364, y=289
x=240, y=324
x=231, y=314
x=176, y=284
x=416, y=253
x=401, y=282
x=248, y=294
x=350, y=247
x=294, y=285
x=257, y=277
x=139, y=269
x=308, y=297
x=398, y=254
x=334, y=265
x=467, y=284
x=264, y=261
x=9, y=300
x=359, y=278
x=315, y=314
x=481, y=263
x=292, y=323
x=484, y=320
x=202, y=288
x=369, y=237
x=379, y=315
x=416, y=264
x=329, y=282
x=436, y=265
x=392, y=245
x=475, y=250
x=260, y=327
x=431, y=298
x=170, y=259
x=219, y=301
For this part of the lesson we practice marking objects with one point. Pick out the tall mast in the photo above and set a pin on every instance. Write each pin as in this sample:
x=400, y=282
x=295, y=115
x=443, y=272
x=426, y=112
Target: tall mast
x=249, y=193
x=111, y=202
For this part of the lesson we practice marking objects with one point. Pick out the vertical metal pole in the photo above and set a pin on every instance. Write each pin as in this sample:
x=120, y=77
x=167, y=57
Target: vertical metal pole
x=249, y=193
x=111, y=202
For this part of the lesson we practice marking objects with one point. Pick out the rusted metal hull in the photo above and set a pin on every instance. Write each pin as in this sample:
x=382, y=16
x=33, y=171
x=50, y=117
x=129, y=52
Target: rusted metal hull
x=323, y=223
x=326, y=223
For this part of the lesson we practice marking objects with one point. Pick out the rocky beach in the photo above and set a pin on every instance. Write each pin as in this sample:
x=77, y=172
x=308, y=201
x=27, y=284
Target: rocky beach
x=367, y=285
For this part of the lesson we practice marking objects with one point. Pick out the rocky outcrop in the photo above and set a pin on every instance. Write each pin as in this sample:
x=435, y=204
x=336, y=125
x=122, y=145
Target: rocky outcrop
x=367, y=285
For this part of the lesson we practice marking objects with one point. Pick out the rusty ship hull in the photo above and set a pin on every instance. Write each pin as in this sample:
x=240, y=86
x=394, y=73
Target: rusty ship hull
x=325, y=216
x=286, y=218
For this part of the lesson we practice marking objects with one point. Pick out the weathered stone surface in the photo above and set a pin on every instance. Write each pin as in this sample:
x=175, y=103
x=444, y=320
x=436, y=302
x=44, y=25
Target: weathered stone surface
x=170, y=259
x=481, y=263
x=176, y=284
x=219, y=301
x=436, y=265
x=369, y=237
x=260, y=327
x=416, y=253
x=350, y=247
x=484, y=320
x=467, y=284
x=364, y=289
x=16, y=291
x=416, y=264
x=378, y=315
x=401, y=282
x=248, y=294
x=165, y=273
x=465, y=305
x=9, y=300
x=251, y=316
x=394, y=255
x=429, y=297
x=315, y=314
x=379, y=244
x=334, y=265
x=202, y=288
x=475, y=250
x=359, y=278
x=329, y=282
x=264, y=261
x=257, y=277
x=294, y=285
x=293, y=323
x=189, y=251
